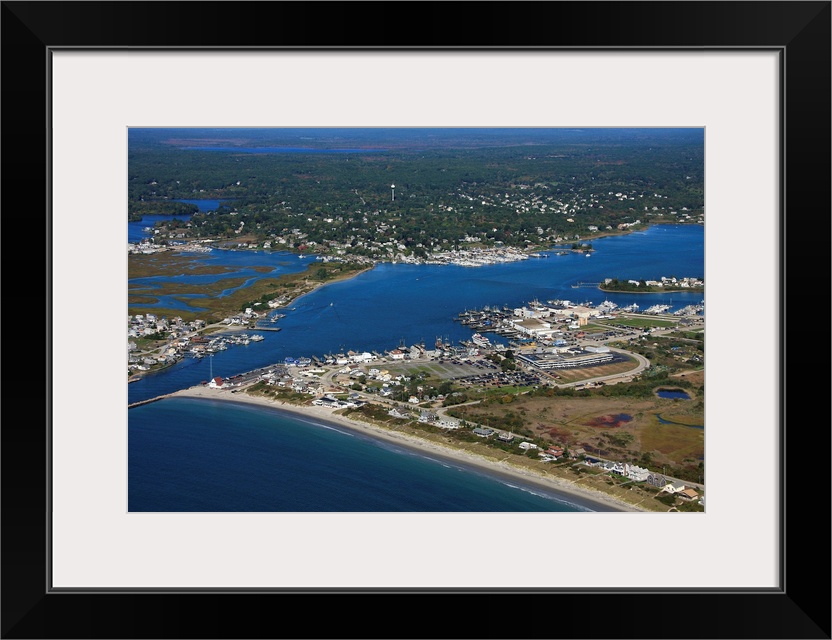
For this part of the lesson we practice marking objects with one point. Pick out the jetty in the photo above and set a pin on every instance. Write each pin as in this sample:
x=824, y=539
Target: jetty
x=139, y=403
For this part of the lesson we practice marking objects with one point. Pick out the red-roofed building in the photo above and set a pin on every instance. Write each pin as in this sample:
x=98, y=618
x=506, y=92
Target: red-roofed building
x=215, y=383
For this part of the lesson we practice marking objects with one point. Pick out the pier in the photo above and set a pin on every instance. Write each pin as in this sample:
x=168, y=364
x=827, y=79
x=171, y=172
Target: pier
x=578, y=285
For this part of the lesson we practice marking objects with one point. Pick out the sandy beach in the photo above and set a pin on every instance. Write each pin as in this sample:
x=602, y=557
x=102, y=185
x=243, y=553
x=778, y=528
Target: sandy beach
x=566, y=488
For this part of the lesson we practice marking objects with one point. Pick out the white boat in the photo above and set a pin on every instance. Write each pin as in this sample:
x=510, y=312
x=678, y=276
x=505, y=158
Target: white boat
x=256, y=337
x=481, y=340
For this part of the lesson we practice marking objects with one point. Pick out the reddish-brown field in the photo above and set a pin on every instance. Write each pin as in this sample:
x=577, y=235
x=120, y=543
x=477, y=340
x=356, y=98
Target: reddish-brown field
x=617, y=428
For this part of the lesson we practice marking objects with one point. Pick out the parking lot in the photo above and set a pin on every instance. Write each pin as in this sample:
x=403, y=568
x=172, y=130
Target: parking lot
x=501, y=379
x=445, y=369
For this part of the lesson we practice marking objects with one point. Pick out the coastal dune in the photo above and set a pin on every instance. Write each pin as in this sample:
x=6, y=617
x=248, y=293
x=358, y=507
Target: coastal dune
x=590, y=498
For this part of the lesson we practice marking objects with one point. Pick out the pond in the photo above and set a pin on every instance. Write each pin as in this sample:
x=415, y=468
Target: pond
x=672, y=393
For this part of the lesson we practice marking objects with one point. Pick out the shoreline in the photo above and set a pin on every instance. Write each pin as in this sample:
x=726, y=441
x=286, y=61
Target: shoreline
x=582, y=496
x=647, y=293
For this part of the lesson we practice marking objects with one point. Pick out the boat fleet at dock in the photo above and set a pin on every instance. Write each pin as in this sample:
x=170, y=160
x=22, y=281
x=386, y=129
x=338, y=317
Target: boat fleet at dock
x=201, y=347
x=510, y=323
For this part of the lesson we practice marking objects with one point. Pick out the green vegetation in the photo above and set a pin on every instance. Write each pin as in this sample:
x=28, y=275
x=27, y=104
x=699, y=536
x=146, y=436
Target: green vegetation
x=255, y=296
x=489, y=189
x=642, y=287
x=637, y=323
x=277, y=393
x=138, y=209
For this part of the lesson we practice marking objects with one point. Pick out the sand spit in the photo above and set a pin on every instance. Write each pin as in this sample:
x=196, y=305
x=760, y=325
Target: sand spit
x=324, y=414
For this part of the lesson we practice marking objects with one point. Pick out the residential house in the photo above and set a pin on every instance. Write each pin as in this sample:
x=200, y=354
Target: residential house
x=656, y=480
x=674, y=487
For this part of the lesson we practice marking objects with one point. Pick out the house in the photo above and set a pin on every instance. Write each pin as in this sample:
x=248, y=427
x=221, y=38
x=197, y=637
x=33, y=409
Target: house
x=614, y=467
x=639, y=474
x=527, y=445
x=674, y=487
x=687, y=494
x=332, y=403
x=656, y=480
x=505, y=437
x=483, y=433
x=215, y=383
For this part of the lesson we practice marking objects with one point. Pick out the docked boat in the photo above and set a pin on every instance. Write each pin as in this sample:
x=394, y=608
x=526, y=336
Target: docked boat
x=256, y=337
x=657, y=308
x=480, y=340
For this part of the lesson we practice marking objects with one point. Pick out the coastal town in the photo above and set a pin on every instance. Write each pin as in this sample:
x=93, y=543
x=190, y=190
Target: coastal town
x=557, y=344
x=471, y=257
x=595, y=382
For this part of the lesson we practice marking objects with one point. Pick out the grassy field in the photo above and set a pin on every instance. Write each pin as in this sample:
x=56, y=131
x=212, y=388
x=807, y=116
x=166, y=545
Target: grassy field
x=638, y=323
x=618, y=428
x=434, y=370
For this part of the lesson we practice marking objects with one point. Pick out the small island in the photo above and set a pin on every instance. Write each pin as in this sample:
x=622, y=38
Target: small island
x=662, y=285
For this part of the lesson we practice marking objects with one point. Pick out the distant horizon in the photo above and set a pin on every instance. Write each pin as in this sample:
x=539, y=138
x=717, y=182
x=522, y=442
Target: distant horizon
x=400, y=137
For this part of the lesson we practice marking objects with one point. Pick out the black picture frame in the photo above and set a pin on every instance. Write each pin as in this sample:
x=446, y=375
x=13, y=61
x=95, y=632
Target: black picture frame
x=799, y=31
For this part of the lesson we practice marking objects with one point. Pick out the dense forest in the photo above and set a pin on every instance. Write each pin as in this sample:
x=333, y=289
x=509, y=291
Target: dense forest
x=423, y=190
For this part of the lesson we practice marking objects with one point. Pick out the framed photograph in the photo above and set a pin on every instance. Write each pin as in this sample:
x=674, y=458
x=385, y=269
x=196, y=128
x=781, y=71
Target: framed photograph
x=751, y=79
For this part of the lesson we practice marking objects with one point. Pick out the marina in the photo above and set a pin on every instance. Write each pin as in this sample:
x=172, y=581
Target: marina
x=376, y=309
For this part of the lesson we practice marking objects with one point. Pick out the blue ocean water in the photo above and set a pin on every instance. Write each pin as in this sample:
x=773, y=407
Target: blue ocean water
x=196, y=455
x=212, y=456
